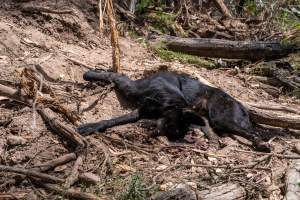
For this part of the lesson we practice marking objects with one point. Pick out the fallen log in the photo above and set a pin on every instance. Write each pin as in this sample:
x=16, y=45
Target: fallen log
x=218, y=48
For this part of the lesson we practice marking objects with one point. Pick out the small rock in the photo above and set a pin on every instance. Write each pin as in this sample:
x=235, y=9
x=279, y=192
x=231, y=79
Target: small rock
x=90, y=178
x=15, y=140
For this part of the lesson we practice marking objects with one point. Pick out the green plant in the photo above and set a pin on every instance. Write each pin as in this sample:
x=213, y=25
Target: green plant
x=182, y=57
x=135, y=190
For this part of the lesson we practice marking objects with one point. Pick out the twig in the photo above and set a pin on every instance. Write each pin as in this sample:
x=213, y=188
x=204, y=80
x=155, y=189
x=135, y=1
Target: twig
x=100, y=17
x=79, y=63
x=13, y=196
x=270, y=154
x=55, y=162
x=35, y=101
x=31, y=173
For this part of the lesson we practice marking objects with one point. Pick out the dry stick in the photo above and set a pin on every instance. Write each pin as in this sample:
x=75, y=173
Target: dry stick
x=114, y=37
x=55, y=162
x=73, y=177
x=70, y=193
x=32, y=173
x=100, y=17
x=13, y=196
x=270, y=154
x=79, y=63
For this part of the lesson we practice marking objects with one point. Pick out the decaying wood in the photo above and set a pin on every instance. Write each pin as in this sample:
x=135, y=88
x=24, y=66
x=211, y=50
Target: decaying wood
x=228, y=191
x=218, y=48
x=35, y=174
x=55, y=162
x=223, y=8
x=292, y=181
x=71, y=193
x=114, y=37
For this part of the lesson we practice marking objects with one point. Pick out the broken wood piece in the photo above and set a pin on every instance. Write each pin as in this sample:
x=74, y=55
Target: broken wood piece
x=71, y=193
x=65, y=131
x=228, y=191
x=292, y=181
x=55, y=162
x=218, y=48
x=31, y=173
x=89, y=178
x=73, y=177
x=223, y=8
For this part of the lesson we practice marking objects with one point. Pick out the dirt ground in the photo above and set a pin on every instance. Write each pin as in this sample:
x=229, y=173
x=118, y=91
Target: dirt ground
x=53, y=40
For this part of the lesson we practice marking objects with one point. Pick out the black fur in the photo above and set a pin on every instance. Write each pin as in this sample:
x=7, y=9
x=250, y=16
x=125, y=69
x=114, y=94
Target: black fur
x=178, y=101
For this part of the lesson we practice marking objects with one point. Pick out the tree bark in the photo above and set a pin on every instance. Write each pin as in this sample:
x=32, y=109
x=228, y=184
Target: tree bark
x=218, y=48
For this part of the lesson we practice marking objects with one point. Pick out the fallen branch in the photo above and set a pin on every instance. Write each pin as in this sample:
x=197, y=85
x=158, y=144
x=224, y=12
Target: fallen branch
x=70, y=193
x=65, y=131
x=55, y=162
x=44, y=177
x=269, y=154
x=73, y=177
x=217, y=48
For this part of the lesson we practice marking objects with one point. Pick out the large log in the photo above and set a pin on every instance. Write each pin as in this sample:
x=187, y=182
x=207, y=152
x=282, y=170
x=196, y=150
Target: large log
x=218, y=48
